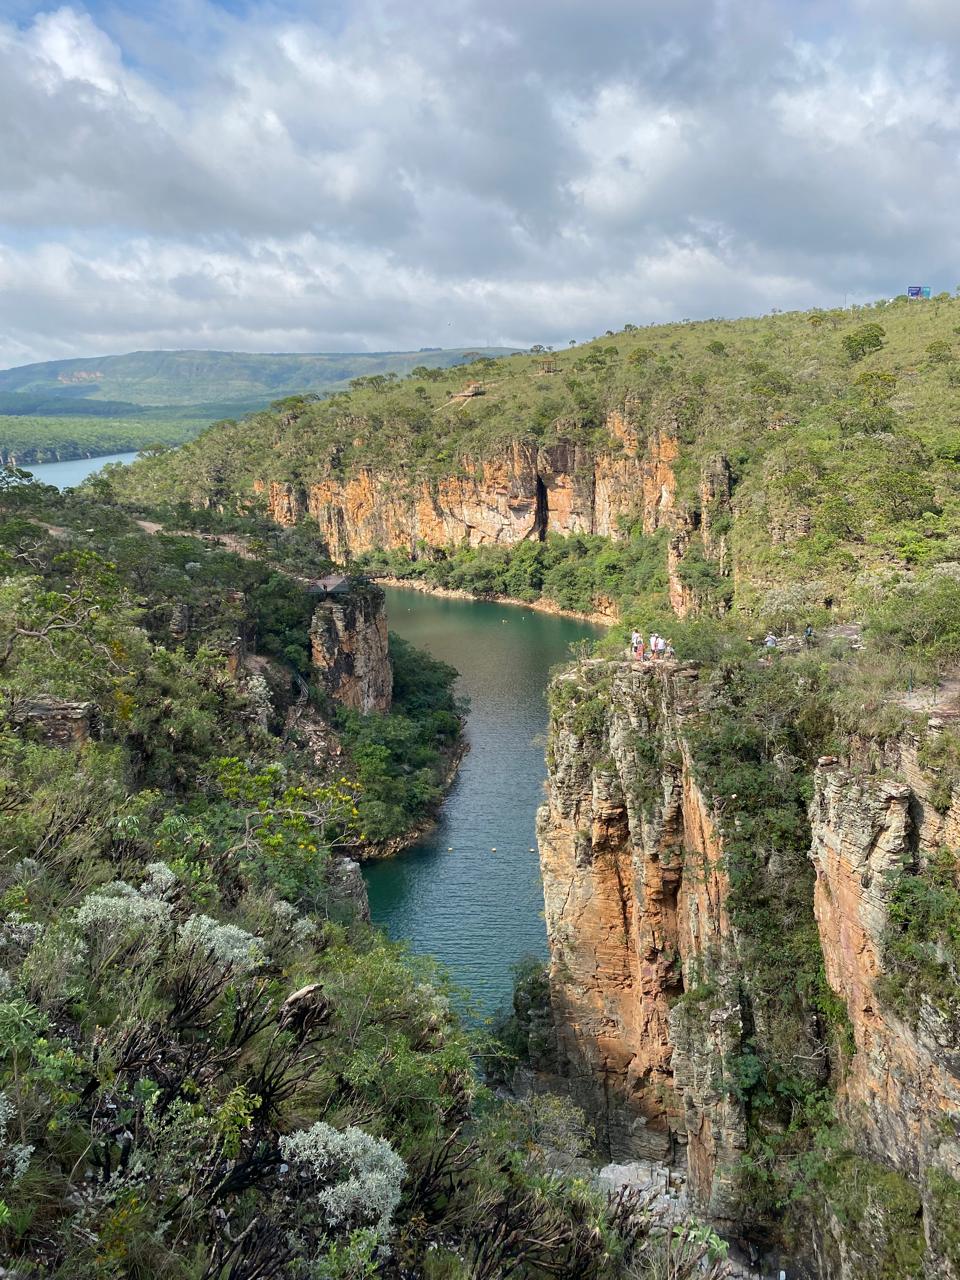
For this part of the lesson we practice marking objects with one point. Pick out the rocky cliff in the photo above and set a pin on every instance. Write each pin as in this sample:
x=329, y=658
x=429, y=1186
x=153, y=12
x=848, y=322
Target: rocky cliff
x=666, y=1026
x=876, y=829
x=635, y=894
x=526, y=491
x=348, y=648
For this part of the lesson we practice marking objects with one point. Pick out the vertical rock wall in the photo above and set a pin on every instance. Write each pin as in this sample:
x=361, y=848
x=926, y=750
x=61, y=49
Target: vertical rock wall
x=901, y=1095
x=635, y=894
x=650, y=988
x=349, y=651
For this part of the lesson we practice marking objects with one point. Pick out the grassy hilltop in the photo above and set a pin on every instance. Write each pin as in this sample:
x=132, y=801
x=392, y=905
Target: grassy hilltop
x=839, y=426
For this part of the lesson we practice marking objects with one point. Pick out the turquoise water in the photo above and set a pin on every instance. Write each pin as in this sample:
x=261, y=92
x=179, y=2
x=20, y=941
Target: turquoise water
x=65, y=475
x=451, y=896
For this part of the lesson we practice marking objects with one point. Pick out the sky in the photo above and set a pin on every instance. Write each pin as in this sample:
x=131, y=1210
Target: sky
x=391, y=174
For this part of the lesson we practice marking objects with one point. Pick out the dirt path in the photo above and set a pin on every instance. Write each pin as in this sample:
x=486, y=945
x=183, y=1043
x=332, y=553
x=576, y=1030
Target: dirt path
x=935, y=700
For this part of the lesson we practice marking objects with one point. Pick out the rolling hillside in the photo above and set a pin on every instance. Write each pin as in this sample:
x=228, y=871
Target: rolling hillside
x=205, y=377
x=63, y=409
x=745, y=455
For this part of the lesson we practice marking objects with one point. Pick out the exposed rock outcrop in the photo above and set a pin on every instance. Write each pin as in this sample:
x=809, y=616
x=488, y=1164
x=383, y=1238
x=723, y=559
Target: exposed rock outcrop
x=56, y=722
x=902, y=1093
x=526, y=491
x=635, y=894
x=349, y=648
x=651, y=985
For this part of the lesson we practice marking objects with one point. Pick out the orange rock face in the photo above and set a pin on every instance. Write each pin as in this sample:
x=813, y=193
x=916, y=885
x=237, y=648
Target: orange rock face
x=635, y=900
x=650, y=998
x=526, y=492
x=902, y=1092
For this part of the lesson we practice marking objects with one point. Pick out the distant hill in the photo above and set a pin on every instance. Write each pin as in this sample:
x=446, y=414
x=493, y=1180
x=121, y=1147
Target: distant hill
x=63, y=409
x=194, y=378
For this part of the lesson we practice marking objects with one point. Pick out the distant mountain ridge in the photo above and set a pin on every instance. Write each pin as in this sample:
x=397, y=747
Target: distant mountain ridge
x=161, y=378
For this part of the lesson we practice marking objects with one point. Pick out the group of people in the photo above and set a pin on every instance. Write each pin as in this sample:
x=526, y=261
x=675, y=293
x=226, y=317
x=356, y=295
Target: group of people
x=656, y=649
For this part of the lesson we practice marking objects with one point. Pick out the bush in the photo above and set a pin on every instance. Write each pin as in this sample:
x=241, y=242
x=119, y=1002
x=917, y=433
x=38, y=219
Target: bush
x=862, y=341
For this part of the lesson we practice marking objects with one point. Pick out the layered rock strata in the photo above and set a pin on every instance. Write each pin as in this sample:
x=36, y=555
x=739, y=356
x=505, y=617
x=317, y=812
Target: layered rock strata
x=526, y=492
x=349, y=649
x=650, y=991
x=635, y=895
x=901, y=1095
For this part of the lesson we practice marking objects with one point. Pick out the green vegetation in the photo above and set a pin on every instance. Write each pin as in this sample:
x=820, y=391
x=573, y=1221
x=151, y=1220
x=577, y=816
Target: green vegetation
x=209, y=1065
x=83, y=408
x=573, y=572
x=944, y=1194
x=922, y=944
x=29, y=441
x=837, y=434
x=880, y=1212
x=400, y=760
x=212, y=377
x=844, y=471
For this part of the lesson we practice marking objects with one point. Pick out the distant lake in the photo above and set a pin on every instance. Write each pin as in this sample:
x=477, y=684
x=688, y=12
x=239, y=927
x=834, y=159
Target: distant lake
x=66, y=475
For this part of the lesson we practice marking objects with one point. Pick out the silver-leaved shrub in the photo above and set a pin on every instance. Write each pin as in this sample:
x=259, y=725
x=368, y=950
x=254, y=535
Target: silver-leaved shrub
x=357, y=1177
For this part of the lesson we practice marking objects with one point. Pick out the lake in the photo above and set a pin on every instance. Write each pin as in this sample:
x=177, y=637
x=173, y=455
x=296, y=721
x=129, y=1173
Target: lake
x=66, y=475
x=470, y=892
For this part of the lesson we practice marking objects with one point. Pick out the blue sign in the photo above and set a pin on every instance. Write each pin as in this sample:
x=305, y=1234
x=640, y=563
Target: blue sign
x=913, y=291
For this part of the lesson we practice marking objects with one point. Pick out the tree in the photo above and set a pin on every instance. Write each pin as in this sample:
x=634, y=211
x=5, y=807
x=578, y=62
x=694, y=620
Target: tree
x=877, y=386
x=862, y=341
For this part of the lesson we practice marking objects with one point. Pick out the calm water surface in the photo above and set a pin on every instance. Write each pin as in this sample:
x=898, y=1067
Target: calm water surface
x=451, y=895
x=65, y=475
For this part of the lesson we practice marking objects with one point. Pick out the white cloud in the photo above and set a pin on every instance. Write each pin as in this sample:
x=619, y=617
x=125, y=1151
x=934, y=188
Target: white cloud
x=393, y=174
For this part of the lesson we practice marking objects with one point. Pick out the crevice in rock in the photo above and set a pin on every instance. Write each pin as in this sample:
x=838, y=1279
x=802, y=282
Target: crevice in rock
x=541, y=511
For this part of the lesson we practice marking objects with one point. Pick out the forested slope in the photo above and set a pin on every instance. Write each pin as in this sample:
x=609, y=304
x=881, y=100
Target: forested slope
x=818, y=449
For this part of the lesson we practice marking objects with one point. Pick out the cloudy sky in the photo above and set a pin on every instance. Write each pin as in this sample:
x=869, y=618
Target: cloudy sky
x=370, y=174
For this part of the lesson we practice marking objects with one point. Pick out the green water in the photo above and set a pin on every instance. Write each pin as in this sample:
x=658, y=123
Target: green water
x=451, y=895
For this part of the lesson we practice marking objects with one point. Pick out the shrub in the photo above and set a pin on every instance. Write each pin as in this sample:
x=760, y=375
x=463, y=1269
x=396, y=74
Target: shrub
x=355, y=1179
x=226, y=944
x=862, y=341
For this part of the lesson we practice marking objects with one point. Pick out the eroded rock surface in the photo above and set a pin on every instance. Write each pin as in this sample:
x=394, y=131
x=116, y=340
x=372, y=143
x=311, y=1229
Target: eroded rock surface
x=635, y=901
x=650, y=984
x=349, y=649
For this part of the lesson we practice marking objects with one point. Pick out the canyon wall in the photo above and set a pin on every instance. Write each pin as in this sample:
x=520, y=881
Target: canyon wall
x=635, y=892
x=651, y=981
x=526, y=492
x=874, y=821
x=349, y=650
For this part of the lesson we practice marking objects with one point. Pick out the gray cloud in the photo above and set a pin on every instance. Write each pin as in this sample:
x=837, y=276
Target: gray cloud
x=401, y=174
